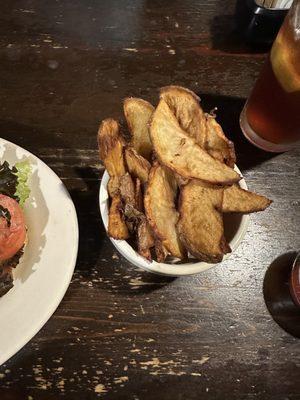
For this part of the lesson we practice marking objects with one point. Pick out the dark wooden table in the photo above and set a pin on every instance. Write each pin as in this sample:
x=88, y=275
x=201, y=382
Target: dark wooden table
x=120, y=333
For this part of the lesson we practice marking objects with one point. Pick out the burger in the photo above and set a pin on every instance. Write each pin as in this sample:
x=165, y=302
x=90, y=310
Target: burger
x=14, y=191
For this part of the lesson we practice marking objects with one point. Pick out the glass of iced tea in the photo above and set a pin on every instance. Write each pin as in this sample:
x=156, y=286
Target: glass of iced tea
x=271, y=116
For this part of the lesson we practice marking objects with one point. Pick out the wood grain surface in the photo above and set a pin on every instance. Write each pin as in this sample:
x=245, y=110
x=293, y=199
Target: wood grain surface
x=120, y=333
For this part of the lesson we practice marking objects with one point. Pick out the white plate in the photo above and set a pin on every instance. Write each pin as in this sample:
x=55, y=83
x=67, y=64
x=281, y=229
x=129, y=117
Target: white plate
x=235, y=229
x=46, y=268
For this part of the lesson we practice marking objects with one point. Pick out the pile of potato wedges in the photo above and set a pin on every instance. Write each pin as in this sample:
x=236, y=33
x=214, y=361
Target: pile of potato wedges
x=171, y=183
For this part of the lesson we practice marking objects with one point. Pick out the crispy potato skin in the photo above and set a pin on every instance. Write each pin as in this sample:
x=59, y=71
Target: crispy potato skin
x=110, y=145
x=236, y=199
x=160, y=209
x=182, y=154
x=145, y=239
x=175, y=149
x=139, y=196
x=117, y=228
x=207, y=133
x=217, y=144
x=138, y=113
x=200, y=225
x=136, y=164
x=184, y=104
x=113, y=186
x=127, y=190
x=160, y=251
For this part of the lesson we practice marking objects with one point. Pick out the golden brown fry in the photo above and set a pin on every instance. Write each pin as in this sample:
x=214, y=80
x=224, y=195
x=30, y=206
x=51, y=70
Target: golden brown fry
x=180, y=152
x=127, y=190
x=117, y=228
x=138, y=113
x=160, y=251
x=139, y=198
x=160, y=209
x=180, y=180
x=137, y=165
x=236, y=199
x=217, y=144
x=145, y=239
x=200, y=225
x=113, y=186
x=184, y=104
x=110, y=145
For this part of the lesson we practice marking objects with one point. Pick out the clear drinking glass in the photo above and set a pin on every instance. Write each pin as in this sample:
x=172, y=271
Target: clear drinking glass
x=271, y=117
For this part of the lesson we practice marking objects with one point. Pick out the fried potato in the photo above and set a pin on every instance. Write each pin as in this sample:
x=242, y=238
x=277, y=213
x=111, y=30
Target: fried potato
x=117, y=228
x=127, y=190
x=145, y=240
x=110, y=144
x=137, y=165
x=113, y=186
x=217, y=144
x=200, y=225
x=207, y=133
x=139, y=198
x=184, y=104
x=138, y=113
x=133, y=218
x=180, y=180
x=160, y=209
x=160, y=251
x=236, y=199
x=180, y=152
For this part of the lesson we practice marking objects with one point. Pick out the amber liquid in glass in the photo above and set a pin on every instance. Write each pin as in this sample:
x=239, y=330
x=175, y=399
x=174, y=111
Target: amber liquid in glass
x=273, y=108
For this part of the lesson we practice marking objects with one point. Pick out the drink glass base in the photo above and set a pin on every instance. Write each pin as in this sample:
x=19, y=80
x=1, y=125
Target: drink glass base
x=258, y=141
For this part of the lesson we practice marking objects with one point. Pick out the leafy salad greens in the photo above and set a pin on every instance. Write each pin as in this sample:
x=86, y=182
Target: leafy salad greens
x=13, y=180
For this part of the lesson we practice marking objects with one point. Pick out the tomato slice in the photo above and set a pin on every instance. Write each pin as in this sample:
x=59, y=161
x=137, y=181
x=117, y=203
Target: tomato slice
x=12, y=237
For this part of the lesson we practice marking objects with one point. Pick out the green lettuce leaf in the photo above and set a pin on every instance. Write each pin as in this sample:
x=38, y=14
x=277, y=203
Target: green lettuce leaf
x=23, y=170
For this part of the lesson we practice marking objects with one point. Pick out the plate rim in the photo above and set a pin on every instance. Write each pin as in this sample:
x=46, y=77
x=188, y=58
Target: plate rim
x=6, y=355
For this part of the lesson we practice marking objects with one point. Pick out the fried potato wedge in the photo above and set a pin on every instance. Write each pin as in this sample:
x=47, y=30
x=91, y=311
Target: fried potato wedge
x=132, y=217
x=207, y=133
x=200, y=225
x=180, y=152
x=145, y=239
x=137, y=165
x=117, y=228
x=180, y=180
x=217, y=144
x=127, y=190
x=160, y=209
x=113, y=186
x=135, y=219
x=236, y=199
x=160, y=251
x=139, y=197
x=138, y=113
x=110, y=144
x=184, y=104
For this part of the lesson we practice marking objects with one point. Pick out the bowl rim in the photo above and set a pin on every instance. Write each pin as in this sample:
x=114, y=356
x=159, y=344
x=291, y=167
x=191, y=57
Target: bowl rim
x=153, y=266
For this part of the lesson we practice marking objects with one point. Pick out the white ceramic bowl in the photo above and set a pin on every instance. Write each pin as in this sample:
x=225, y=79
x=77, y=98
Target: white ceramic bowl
x=45, y=270
x=235, y=229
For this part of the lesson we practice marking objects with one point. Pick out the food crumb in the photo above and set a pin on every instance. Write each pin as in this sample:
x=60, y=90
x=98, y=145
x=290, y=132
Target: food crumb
x=100, y=388
x=121, y=379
